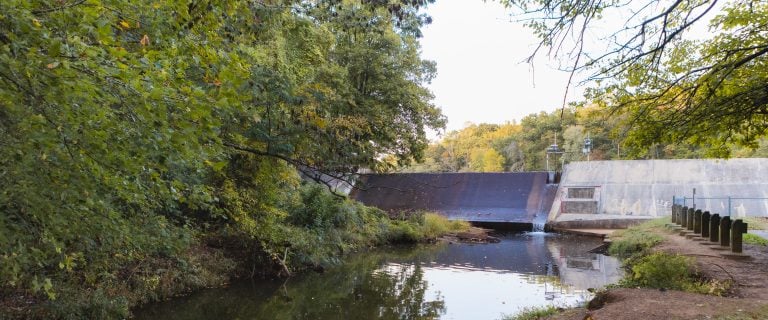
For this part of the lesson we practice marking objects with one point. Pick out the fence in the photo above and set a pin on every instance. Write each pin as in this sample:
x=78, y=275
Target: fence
x=720, y=233
x=729, y=206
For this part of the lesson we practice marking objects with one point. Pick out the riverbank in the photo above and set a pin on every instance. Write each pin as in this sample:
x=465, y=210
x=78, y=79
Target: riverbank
x=308, y=239
x=425, y=281
x=742, y=284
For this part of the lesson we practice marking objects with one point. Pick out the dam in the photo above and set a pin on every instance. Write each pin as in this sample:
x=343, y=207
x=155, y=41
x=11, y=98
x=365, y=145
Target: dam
x=590, y=194
x=511, y=198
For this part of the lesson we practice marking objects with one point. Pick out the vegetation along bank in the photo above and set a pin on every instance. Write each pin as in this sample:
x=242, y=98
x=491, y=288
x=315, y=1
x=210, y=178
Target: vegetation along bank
x=668, y=276
x=153, y=148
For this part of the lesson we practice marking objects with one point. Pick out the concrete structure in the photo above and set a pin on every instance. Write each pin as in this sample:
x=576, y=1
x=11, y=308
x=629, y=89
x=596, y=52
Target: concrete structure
x=614, y=194
x=508, y=198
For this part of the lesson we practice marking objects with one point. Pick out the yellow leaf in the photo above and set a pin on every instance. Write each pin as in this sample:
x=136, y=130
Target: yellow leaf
x=320, y=123
x=37, y=23
x=144, y=40
x=125, y=24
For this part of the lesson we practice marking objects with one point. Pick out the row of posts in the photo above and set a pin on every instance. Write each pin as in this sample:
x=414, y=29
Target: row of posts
x=705, y=226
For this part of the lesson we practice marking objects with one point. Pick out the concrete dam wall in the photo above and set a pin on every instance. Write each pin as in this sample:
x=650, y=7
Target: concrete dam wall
x=595, y=194
x=627, y=189
x=477, y=197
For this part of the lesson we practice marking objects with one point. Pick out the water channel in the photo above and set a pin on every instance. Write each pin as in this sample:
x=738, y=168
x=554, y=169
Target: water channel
x=443, y=281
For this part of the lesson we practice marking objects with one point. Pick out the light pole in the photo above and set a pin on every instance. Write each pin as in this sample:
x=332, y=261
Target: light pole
x=587, y=146
x=553, y=149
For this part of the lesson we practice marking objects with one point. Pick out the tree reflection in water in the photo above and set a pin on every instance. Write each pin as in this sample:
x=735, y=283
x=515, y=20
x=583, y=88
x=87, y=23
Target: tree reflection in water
x=362, y=288
x=459, y=281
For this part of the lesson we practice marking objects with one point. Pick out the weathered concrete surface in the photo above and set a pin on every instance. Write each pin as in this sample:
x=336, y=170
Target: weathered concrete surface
x=475, y=197
x=632, y=189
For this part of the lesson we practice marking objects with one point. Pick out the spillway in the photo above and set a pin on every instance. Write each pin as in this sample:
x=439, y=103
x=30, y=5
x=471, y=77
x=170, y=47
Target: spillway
x=511, y=198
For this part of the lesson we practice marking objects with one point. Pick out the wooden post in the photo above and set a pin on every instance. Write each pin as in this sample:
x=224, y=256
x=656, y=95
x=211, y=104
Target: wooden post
x=697, y=222
x=714, y=228
x=674, y=213
x=705, y=217
x=690, y=219
x=725, y=231
x=739, y=228
x=684, y=217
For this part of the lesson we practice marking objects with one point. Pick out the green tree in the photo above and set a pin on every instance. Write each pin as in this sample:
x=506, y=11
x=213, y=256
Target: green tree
x=670, y=88
x=492, y=161
x=131, y=129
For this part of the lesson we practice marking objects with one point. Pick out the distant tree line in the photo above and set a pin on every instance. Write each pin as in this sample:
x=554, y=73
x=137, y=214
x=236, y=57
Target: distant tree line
x=514, y=146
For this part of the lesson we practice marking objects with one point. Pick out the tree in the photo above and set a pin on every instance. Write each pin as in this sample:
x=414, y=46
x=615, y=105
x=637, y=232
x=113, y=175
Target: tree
x=129, y=126
x=672, y=88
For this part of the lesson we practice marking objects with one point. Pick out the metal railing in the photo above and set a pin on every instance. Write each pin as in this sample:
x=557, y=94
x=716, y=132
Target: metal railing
x=731, y=202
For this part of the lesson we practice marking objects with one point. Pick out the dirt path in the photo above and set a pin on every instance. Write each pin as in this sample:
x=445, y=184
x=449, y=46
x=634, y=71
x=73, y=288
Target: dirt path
x=750, y=277
x=749, y=291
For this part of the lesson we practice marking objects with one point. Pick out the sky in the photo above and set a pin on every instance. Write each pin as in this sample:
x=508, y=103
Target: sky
x=482, y=76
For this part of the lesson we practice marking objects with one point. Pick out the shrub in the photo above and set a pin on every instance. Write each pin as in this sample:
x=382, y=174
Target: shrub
x=635, y=241
x=661, y=270
x=670, y=271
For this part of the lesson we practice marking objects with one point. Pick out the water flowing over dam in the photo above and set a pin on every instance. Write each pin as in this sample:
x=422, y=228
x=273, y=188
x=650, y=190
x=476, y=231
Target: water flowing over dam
x=512, y=198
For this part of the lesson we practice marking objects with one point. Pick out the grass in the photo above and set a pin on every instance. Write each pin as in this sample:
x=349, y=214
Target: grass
x=636, y=240
x=757, y=223
x=754, y=239
x=436, y=225
x=423, y=226
x=532, y=313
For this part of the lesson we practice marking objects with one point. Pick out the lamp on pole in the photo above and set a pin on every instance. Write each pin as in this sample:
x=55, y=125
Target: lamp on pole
x=553, y=149
x=587, y=146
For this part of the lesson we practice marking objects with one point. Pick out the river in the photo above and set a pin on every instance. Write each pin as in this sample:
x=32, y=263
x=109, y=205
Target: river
x=442, y=281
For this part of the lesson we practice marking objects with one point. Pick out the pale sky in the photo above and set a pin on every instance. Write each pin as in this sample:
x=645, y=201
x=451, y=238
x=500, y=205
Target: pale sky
x=482, y=76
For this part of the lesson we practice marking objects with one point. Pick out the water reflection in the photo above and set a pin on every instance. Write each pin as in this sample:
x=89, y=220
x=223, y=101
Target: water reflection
x=456, y=281
x=581, y=269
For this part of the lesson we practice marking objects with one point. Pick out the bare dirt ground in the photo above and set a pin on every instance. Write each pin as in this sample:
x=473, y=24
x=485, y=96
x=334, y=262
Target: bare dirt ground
x=748, y=293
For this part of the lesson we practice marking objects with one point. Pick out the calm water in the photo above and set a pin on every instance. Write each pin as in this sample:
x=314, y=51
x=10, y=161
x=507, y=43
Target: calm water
x=449, y=281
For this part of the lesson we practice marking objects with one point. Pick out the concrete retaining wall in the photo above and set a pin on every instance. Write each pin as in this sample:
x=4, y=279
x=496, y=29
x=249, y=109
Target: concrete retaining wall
x=646, y=187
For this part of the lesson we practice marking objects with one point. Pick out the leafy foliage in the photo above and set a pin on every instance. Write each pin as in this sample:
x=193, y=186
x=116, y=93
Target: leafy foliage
x=133, y=132
x=521, y=146
x=667, y=85
x=671, y=271
x=661, y=270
